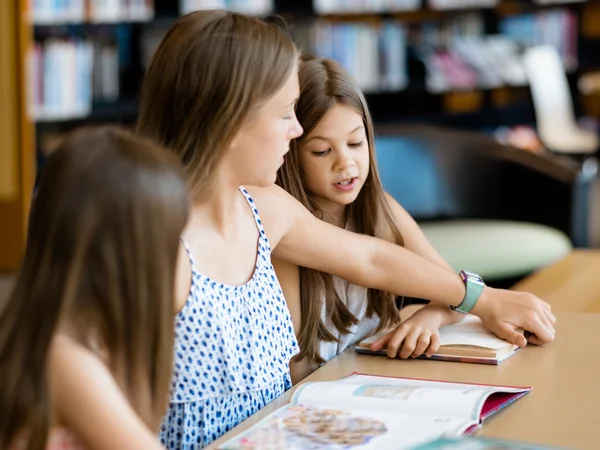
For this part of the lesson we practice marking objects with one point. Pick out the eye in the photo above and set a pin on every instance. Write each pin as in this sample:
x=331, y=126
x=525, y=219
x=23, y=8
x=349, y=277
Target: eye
x=290, y=115
x=356, y=144
x=322, y=153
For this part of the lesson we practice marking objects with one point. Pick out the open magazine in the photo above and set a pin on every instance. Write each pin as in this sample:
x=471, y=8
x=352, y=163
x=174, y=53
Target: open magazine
x=465, y=341
x=374, y=412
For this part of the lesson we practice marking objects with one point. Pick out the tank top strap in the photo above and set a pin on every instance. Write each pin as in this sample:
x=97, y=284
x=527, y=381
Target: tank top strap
x=189, y=252
x=254, y=211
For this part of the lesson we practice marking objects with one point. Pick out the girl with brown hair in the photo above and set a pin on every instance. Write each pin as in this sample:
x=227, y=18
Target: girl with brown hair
x=220, y=92
x=331, y=169
x=86, y=338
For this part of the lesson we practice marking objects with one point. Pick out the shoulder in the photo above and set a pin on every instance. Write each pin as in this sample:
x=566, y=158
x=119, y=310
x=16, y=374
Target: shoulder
x=395, y=208
x=265, y=197
x=65, y=349
x=73, y=369
x=397, y=213
x=401, y=216
x=88, y=400
x=70, y=360
x=277, y=210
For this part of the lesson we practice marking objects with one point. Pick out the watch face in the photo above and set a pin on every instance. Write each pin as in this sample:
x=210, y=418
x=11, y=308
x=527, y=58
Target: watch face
x=470, y=276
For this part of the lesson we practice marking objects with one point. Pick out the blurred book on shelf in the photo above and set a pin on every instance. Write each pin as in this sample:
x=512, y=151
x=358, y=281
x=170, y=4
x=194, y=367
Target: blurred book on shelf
x=365, y=6
x=67, y=75
x=60, y=79
x=462, y=4
x=557, y=28
x=243, y=6
x=52, y=12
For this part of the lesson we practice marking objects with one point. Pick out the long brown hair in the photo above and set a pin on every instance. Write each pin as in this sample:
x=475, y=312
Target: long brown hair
x=324, y=83
x=208, y=74
x=100, y=260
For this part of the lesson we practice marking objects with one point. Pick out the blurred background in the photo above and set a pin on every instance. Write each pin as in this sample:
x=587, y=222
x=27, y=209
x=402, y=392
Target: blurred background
x=486, y=112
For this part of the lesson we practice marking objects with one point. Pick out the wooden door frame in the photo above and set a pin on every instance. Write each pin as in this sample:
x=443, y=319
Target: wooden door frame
x=16, y=134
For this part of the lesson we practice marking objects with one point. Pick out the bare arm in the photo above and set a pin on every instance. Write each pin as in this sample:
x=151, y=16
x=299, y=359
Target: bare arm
x=417, y=242
x=183, y=279
x=300, y=238
x=89, y=403
x=289, y=277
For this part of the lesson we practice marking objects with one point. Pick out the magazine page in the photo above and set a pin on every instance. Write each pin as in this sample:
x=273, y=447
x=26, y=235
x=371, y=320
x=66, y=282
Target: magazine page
x=310, y=427
x=400, y=395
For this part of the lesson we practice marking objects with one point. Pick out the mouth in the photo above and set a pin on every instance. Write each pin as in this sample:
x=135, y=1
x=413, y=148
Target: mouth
x=347, y=184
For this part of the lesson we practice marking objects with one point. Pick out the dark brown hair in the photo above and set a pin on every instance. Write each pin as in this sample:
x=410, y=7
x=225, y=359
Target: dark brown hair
x=208, y=74
x=324, y=83
x=100, y=259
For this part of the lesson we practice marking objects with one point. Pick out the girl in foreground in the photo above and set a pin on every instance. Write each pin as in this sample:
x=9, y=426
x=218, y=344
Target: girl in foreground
x=86, y=338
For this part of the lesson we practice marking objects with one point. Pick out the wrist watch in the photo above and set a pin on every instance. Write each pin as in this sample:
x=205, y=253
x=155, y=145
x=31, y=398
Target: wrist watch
x=473, y=287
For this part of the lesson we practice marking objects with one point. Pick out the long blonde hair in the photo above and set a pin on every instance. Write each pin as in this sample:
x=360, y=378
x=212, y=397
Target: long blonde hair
x=208, y=74
x=100, y=259
x=324, y=83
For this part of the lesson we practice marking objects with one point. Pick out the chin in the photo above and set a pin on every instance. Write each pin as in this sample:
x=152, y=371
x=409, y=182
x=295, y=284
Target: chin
x=347, y=201
x=345, y=198
x=263, y=182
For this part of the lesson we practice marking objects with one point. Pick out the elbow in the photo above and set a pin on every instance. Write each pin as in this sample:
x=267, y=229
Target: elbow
x=372, y=271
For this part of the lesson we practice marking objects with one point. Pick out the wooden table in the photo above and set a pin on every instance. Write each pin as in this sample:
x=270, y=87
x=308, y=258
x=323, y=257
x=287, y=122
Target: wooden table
x=564, y=407
x=562, y=410
x=571, y=284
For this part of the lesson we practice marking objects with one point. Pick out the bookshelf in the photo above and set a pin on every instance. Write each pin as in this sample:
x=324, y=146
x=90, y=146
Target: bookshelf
x=445, y=62
x=397, y=49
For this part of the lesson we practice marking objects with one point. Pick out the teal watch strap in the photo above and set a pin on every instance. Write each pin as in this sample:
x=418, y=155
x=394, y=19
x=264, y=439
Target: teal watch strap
x=473, y=287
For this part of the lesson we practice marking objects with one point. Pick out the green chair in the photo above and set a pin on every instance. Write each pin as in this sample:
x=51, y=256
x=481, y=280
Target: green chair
x=488, y=208
x=497, y=249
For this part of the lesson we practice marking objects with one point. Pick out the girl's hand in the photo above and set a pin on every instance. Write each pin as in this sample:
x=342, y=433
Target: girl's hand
x=417, y=335
x=507, y=313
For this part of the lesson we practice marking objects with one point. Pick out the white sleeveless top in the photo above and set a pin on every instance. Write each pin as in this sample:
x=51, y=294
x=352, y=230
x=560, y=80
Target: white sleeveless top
x=355, y=299
x=233, y=346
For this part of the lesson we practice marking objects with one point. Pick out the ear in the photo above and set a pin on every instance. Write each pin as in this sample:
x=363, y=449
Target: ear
x=234, y=142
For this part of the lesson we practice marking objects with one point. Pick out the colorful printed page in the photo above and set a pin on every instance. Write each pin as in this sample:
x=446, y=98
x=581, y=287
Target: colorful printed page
x=373, y=413
x=439, y=399
x=296, y=427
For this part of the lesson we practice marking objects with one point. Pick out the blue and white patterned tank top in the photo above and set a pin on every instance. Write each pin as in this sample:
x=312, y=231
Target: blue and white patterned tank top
x=233, y=345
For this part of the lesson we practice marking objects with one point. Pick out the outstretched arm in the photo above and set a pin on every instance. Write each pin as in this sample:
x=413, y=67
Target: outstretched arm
x=302, y=239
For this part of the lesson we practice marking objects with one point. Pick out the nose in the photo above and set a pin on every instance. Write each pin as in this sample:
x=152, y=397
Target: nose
x=295, y=129
x=344, y=159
